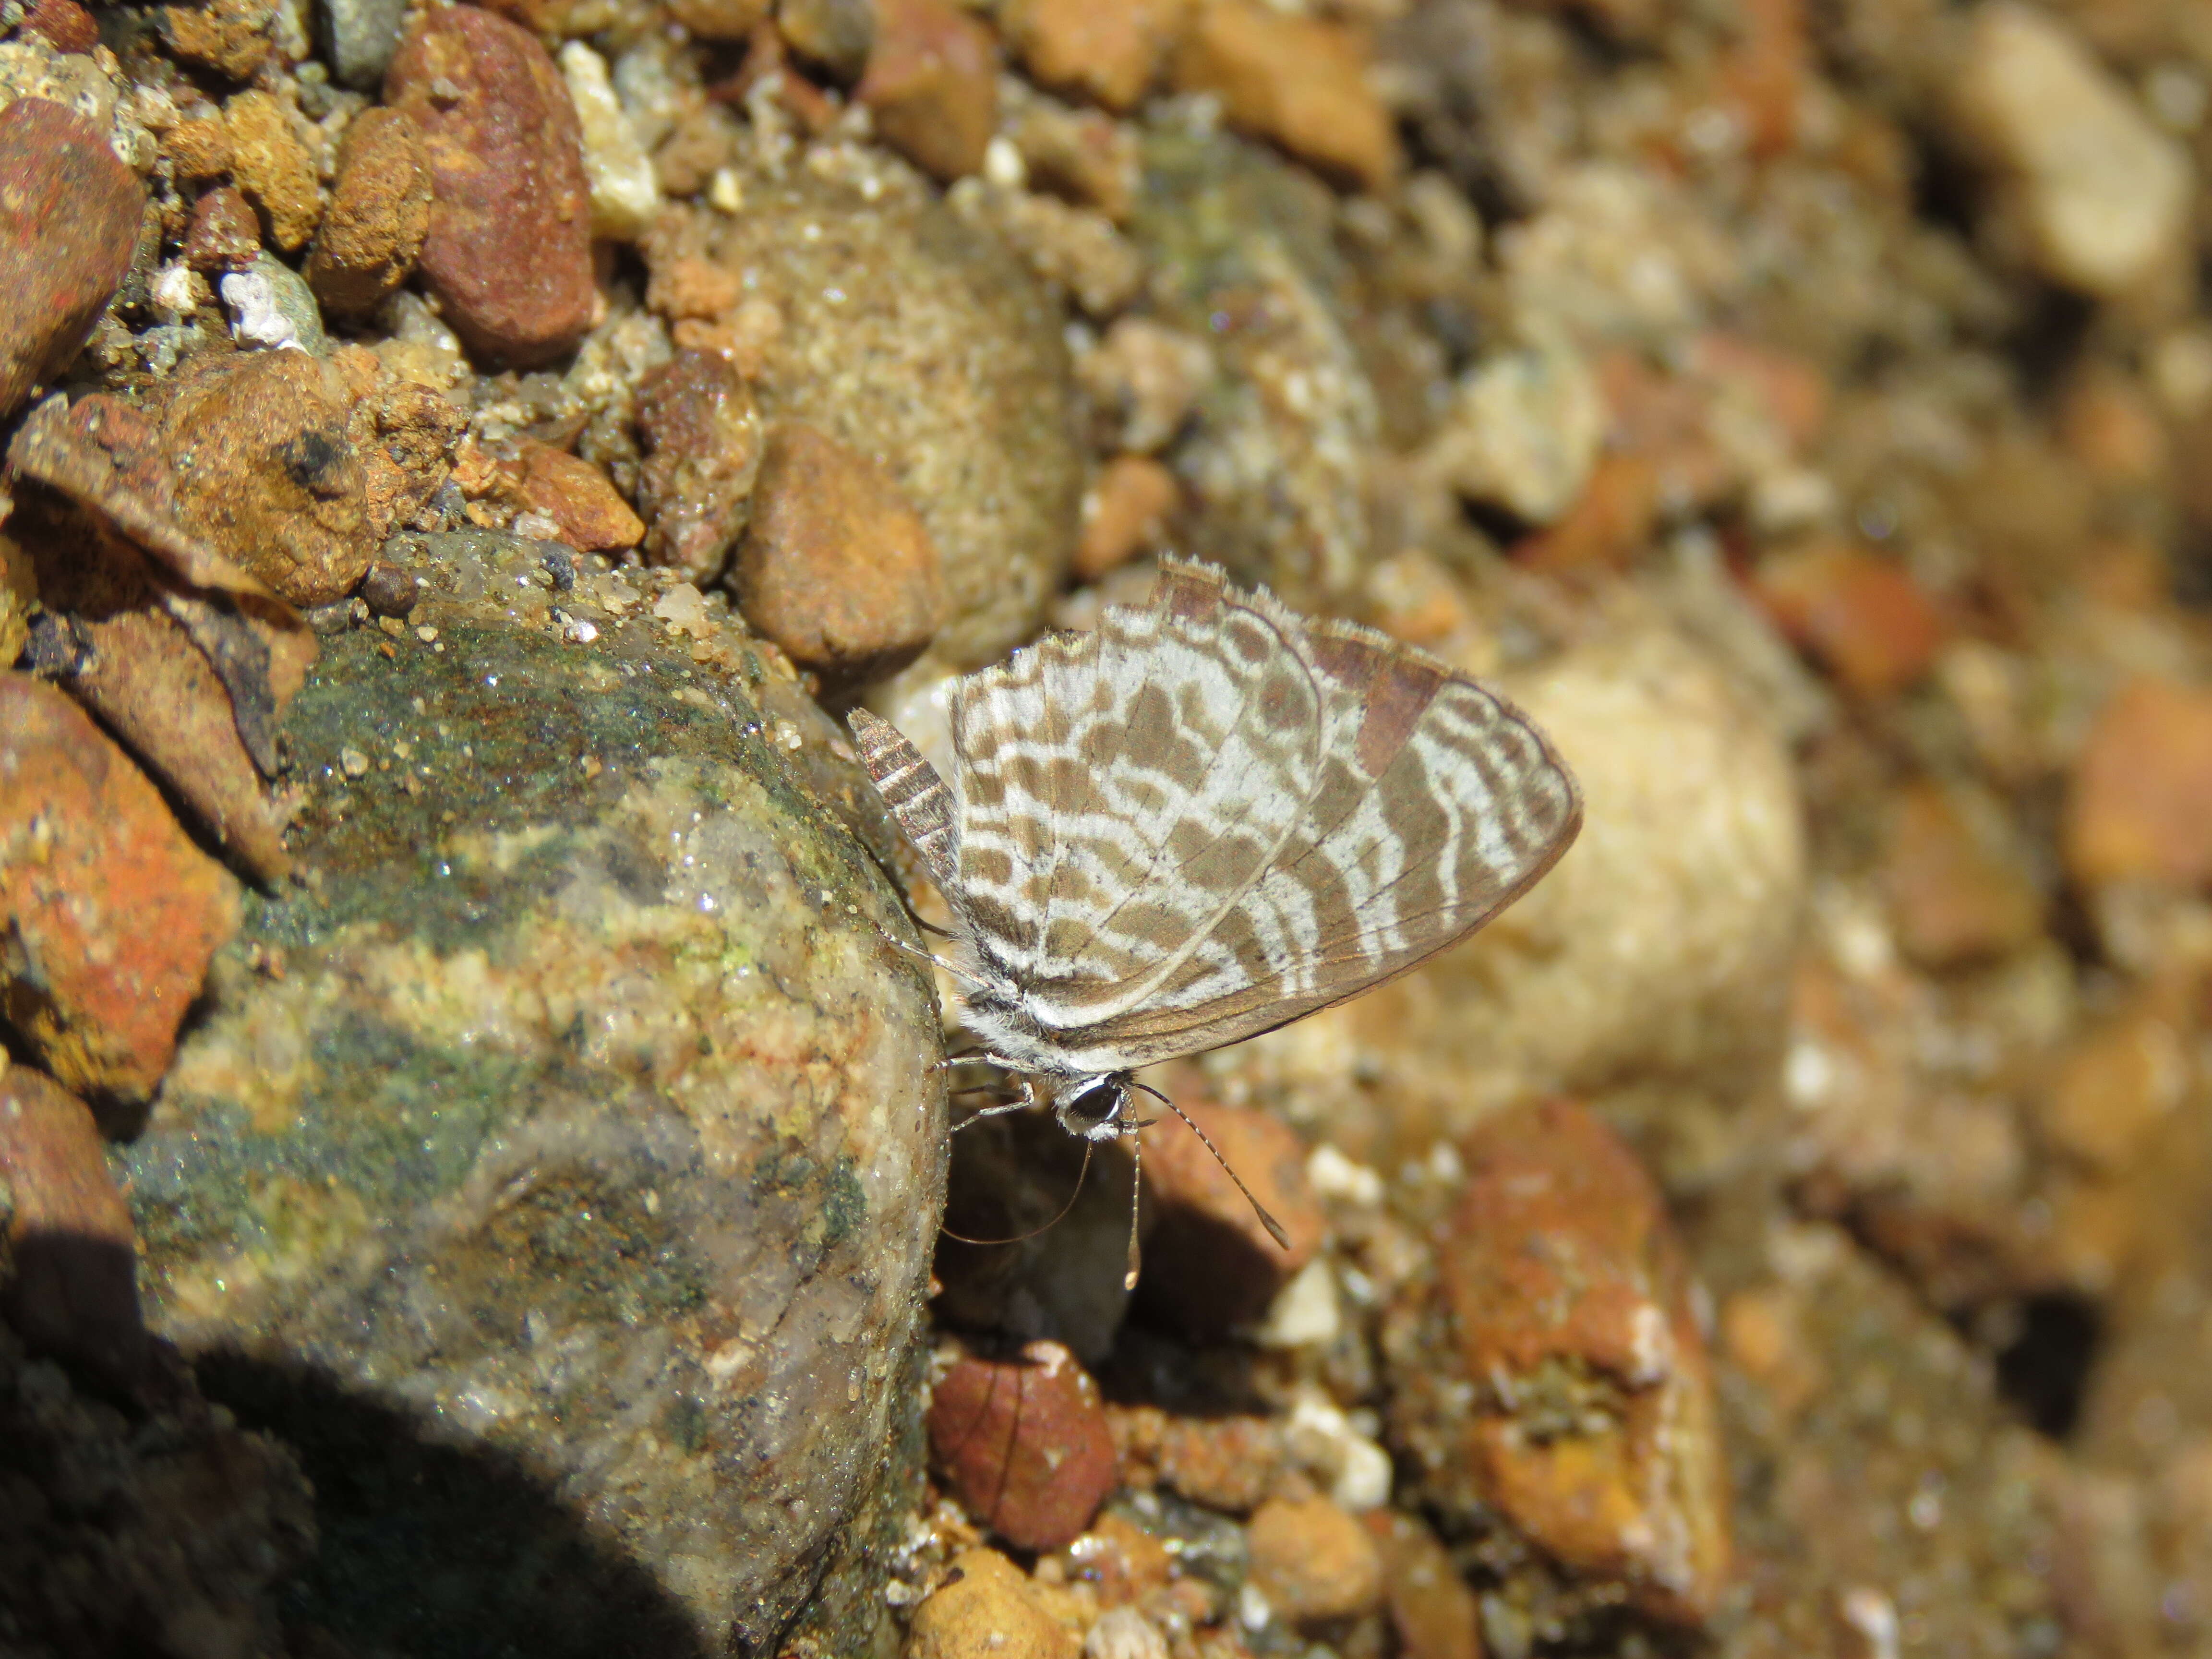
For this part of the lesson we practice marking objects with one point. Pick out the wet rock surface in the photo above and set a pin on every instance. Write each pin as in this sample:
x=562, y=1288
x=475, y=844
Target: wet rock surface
x=491, y=1135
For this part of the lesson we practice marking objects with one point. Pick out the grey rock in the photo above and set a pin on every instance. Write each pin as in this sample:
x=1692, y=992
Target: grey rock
x=360, y=36
x=558, y=1169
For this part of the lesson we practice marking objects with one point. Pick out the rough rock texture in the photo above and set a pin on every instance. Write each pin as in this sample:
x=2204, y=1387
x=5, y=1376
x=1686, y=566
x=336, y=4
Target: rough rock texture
x=509, y=247
x=912, y=340
x=112, y=914
x=702, y=434
x=987, y=1607
x=378, y=215
x=69, y=223
x=557, y=1168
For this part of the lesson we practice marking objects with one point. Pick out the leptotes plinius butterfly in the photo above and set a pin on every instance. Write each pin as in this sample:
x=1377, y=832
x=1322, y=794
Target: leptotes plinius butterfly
x=1206, y=819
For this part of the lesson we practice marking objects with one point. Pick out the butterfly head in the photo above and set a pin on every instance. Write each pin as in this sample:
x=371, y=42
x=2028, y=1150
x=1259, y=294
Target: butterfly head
x=1095, y=1108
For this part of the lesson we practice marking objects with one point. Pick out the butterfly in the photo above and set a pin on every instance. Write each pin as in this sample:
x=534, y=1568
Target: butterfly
x=1205, y=818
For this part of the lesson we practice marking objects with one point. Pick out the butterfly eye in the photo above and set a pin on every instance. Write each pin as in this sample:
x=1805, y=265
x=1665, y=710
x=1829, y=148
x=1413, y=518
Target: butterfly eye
x=1096, y=1104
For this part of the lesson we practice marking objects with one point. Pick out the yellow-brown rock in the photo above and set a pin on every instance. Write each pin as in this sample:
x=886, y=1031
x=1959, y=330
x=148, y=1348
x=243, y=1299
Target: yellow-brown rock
x=1297, y=82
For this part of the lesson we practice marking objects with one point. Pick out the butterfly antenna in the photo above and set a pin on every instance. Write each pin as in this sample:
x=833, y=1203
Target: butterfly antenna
x=1136, y=1196
x=1033, y=1231
x=1274, y=1227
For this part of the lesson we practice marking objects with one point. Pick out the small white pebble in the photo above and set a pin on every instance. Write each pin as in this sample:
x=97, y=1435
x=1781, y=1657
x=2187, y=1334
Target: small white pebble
x=1334, y=1176
x=254, y=318
x=353, y=762
x=724, y=193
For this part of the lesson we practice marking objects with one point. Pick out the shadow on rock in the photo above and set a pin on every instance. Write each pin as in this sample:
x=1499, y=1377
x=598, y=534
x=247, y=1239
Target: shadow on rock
x=434, y=1550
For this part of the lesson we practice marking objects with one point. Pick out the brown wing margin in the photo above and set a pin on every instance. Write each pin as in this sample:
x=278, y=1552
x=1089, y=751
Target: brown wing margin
x=915, y=795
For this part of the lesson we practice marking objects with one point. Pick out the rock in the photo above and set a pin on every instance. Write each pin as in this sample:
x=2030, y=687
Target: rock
x=1297, y=82
x=625, y=195
x=231, y=37
x=1124, y=513
x=2092, y=195
x=1202, y=1217
x=1312, y=1561
x=1524, y=432
x=1434, y=1613
x=199, y=147
x=270, y=304
x=1143, y=380
x=265, y=470
x=702, y=434
x=360, y=37
x=987, y=456
x=68, y=227
x=1025, y=1444
x=932, y=84
x=589, y=513
x=720, y=20
x=147, y=1523
x=2111, y=1087
x=2139, y=800
x=834, y=35
x=1229, y=1463
x=835, y=566
x=1609, y=525
x=1070, y=247
x=1859, y=613
x=114, y=912
x=388, y=591
x=71, y=1287
x=380, y=214
x=1124, y=1634
x=1122, y=1561
x=985, y=1609
x=67, y=26
x=1958, y=885
x=509, y=247
x=1090, y=159
x=574, y=1121
x=1108, y=54
x=272, y=166
x=224, y=234
x=1594, y=1432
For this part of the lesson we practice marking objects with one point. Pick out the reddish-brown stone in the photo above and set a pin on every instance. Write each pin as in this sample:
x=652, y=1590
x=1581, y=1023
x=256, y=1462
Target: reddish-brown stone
x=1313, y=1561
x=1858, y=613
x=1297, y=81
x=1024, y=1443
x=113, y=912
x=2139, y=803
x=703, y=439
x=1204, y=1218
x=509, y=245
x=1229, y=1463
x=576, y=495
x=932, y=85
x=835, y=566
x=380, y=213
x=73, y=1289
x=1562, y=1275
x=223, y=234
x=66, y=26
x=69, y=224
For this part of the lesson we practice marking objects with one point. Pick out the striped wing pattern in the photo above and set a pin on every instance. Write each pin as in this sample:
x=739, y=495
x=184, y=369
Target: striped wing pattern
x=1210, y=817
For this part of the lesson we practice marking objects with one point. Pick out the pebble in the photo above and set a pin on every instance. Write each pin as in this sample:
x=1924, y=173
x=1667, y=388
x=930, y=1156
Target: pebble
x=1563, y=1274
x=1313, y=1561
x=68, y=227
x=835, y=566
x=719, y=20
x=110, y=900
x=360, y=37
x=625, y=195
x=72, y=1290
x=1859, y=613
x=378, y=215
x=1143, y=380
x=1229, y=1463
x=986, y=1609
x=2139, y=797
x=272, y=305
x=2096, y=197
x=271, y=165
x=67, y=26
x=587, y=511
x=2111, y=1086
x=702, y=434
x=1297, y=81
x=223, y=233
x=1958, y=885
x=1202, y=1217
x=1608, y=526
x=1433, y=1610
x=1109, y=55
x=1072, y=248
x=1123, y=1633
x=834, y=35
x=1121, y=1560
x=1093, y=159
x=1524, y=431
x=932, y=85
x=1024, y=1443
x=509, y=247
x=266, y=472
x=231, y=37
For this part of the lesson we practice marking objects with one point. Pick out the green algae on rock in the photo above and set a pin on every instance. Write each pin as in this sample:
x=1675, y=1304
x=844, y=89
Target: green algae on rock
x=575, y=1120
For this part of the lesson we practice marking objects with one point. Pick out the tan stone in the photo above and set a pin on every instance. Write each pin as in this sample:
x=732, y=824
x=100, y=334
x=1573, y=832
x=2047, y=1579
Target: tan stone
x=932, y=85
x=1108, y=52
x=272, y=166
x=987, y=1606
x=1298, y=82
x=380, y=213
x=1312, y=1560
